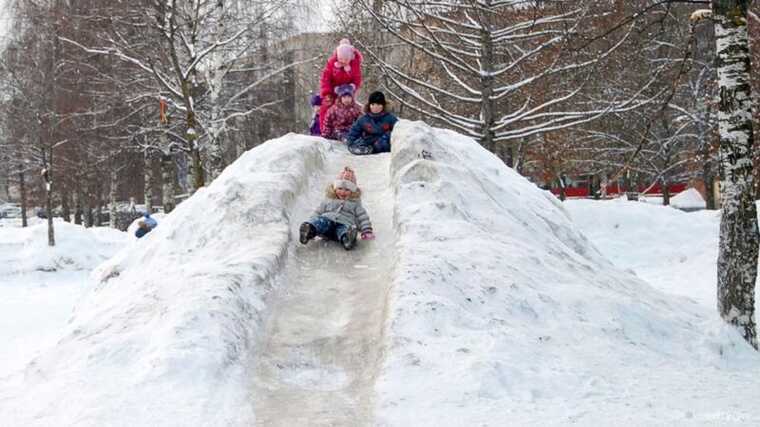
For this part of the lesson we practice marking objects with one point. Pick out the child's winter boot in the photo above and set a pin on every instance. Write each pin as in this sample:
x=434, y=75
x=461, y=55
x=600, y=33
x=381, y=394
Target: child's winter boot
x=306, y=233
x=360, y=149
x=349, y=239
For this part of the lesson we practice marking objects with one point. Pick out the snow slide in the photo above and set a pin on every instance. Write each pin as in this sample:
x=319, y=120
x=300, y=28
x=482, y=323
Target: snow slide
x=220, y=316
x=480, y=303
x=322, y=344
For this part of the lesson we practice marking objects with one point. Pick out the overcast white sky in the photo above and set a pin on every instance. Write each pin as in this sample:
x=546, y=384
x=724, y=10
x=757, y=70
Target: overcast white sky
x=319, y=18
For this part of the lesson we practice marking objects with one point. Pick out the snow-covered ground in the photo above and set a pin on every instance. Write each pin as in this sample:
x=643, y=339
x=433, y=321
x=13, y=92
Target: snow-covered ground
x=674, y=251
x=39, y=285
x=483, y=301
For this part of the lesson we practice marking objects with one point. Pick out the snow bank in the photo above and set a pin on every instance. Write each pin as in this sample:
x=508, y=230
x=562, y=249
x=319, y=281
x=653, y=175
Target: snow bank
x=673, y=250
x=165, y=337
x=502, y=313
x=39, y=285
x=689, y=199
x=25, y=250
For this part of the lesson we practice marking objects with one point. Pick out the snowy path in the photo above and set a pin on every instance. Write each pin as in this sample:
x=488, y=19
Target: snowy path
x=321, y=349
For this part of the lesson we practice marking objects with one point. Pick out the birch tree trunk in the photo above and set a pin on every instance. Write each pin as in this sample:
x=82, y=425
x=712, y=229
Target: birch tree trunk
x=737, y=257
x=49, y=208
x=47, y=178
x=148, y=176
x=215, y=79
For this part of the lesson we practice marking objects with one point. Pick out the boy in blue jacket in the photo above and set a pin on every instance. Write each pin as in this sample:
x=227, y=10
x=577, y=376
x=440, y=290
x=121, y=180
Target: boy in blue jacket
x=145, y=226
x=372, y=132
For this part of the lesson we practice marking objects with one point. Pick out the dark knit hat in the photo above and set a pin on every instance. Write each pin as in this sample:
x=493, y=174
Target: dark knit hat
x=376, y=97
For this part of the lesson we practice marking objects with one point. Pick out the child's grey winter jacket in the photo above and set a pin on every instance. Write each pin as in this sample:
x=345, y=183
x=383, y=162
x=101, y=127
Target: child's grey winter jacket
x=348, y=212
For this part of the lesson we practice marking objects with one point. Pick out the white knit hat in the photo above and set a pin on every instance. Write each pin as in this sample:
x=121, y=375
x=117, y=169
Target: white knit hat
x=345, y=184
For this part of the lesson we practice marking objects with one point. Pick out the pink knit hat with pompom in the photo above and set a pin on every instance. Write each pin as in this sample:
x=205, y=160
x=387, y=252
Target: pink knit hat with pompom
x=346, y=179
x=345, y=51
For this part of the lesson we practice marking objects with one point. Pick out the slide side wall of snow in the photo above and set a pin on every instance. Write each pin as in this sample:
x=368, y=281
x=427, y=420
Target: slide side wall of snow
x=168, y=330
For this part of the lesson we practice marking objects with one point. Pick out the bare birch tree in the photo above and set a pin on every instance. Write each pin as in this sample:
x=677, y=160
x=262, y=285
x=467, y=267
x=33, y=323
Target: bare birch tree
x=739, y=236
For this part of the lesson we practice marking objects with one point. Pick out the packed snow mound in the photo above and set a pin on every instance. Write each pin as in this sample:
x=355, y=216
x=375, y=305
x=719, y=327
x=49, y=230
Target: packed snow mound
x=688, y=199
x=165, y=336
x=669, y=246
x=76, y=248
x=502, y=312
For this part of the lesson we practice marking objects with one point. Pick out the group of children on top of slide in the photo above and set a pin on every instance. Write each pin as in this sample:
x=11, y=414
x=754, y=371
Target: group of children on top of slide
x=337, y=116
x=367, y=130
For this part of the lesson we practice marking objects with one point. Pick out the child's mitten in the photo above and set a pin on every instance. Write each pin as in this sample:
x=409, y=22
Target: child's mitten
x=368, y=235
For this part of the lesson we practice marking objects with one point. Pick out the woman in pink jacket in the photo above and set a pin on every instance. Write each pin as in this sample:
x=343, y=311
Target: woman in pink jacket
x=343, y=67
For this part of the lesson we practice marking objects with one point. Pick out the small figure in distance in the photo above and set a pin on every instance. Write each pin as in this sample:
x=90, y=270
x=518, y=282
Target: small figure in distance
x=145, y=226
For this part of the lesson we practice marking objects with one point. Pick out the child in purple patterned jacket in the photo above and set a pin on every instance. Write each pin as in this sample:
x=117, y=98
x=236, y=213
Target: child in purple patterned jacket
x=342, y=115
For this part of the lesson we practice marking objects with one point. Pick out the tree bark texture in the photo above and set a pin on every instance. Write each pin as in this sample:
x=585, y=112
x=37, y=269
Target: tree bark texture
x=22, y=190
x=168, y=175
x=148, y=176
x=78, y=205
x=112, y=189
x=65, y=206
x=738, y=250
x=47, y=180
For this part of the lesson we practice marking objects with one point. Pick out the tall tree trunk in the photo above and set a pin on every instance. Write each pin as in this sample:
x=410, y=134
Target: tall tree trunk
x=196, y=168
x=562, y=193
x=665, y=191
x=709, y=180
x=148, y=176
x=78, y=204
x=98, y=220
x=168, y=175
x=22, y=190
x=47, y=178
x=739, y=239
x=49, y=209
x=708, y=175
x=487, y=107
x=6, y=186
x=98, y=197
x=65, y=206
x=112, y=190
x=88, y=219
x=216, y=82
